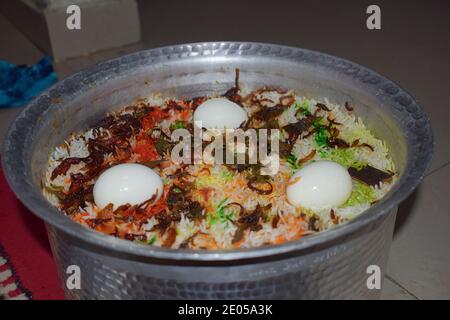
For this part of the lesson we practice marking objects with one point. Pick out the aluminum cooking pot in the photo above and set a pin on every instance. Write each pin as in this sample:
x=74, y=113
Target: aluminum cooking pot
x=328, y=265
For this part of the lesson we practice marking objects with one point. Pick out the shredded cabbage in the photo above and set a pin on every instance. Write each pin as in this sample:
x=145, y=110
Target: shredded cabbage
x=361, y=194
x=345, y=157
x=359, y=132
x=303, y=107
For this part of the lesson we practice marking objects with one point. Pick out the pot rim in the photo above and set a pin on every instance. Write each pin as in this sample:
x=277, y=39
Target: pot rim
x=419, y=139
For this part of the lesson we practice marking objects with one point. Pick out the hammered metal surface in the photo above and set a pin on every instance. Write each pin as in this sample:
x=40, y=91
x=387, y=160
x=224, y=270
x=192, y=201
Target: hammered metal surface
x=327, y=265
x=335, y=273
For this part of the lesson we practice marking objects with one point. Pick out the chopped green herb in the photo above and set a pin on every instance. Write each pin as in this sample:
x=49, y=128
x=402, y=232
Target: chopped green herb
x=222, y=214
x=222, y=203
x=162, y=146
x=212, y=219
x=176, y=190
x=321, y=136
x=292, y=162
x=177, y=125
x=152, y=240
x=226, y=175
x=323, y=153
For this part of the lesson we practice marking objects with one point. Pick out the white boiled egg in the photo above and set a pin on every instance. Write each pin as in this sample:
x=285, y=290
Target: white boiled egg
x=220, y=113
x=319, y=185
x=127, y=183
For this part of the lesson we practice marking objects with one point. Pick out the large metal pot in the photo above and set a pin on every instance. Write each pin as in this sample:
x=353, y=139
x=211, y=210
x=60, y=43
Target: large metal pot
x=332, y=264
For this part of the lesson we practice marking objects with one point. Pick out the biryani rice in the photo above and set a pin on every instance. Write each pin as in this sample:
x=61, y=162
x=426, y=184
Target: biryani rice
x=216, y=189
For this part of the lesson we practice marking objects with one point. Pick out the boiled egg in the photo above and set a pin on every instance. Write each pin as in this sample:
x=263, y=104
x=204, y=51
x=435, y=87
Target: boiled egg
x=127, y=183
x=319, y=185
x=220, y=113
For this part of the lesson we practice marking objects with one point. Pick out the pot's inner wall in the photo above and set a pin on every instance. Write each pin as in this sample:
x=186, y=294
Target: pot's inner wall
x=201, y=76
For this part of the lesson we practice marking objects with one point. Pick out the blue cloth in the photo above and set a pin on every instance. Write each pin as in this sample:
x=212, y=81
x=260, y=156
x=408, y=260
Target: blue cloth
x=20, y=84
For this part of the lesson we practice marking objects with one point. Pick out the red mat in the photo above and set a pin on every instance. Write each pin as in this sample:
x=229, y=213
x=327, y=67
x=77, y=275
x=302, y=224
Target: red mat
x=23, y=240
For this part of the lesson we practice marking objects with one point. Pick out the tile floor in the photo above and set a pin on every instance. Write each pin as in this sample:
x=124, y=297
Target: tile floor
x=413, y=49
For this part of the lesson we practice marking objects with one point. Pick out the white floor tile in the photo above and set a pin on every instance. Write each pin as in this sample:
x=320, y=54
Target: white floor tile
x=392, y=291
x=420, y=256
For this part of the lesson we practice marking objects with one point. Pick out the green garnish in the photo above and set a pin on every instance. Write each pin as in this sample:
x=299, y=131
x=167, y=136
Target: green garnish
x=176, y=190
x=162, y=146
x=177, y=125
x=292, y=162
x=321, y=136
x=345, y=157
x=222, y=214
x=152, y=240
x=226, y=175
x=361, y=194
x=303, y=107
